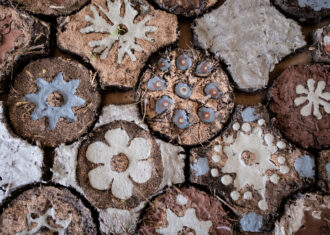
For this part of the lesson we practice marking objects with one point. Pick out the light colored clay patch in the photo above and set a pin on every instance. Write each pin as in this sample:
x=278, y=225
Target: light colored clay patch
x=20, y=162
x=176, y=224
x=251, y=171
x=256, y=39
x=123, y=29
x=317, y=5
x=315, y=98
x=42, y=221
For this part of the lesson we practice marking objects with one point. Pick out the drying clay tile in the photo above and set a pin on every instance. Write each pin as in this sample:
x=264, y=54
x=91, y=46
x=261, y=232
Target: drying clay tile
x=117, y=50
x=185, y=7
x=186, y=96
x=251, y=37
x=300, y=99
x=53, y=101
x=305, y=10
x=185, y=211
x=46, y=210
x=321, y=45
x=20, y=162
x=21, y=37
x=118, y=167
x=51, y=7
x=324, y=170
x=307, y=214
x=253, y=167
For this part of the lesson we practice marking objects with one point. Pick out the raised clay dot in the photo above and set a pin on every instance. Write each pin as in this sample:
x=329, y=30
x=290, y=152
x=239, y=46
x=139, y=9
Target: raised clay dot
x=217, y=148
x=263, y=205
x=212, y=90
x=164, y=64
x=206, y=115
x=236, y=126
x=284, y=169
x=247, y=195
x=261, y=122
x=281, y=159
x=234, y=195
x=203, y=69
x=214, y=172
x=269, y=138
x=183, y=90
x=274, y=179
x=183, y=62
x=246, y=127
x=281, y=144
x=226, y=179
x=181, y=200
x=163, y=104
x=216, y=158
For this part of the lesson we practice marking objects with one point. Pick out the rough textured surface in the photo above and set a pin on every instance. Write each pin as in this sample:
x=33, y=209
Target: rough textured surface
x=324, y=171
x=190, y=93
x=21, y=111
x=113, y=220
x=308, y=214
x=253, y=167
x=305, y=10
x=255, y=40
x=321, y=45
x=300, y=99
x=185, y=7
x=112, y=73
x=20, y=162
x=119, y=166
x=180, y=211
x=23, y=37
x=37, y=201
x=51, y=7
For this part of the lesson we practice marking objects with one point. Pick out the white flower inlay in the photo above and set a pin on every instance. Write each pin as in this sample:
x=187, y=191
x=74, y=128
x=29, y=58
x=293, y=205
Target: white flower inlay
x=137, y=168
x=249, y=157
x=190, y=220
x=315, y=97
x=122, y=28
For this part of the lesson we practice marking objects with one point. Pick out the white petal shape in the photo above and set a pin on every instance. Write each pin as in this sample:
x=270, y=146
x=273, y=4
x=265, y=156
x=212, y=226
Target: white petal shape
x=99, y=152
x=300, y=89
x=117, y=139
x=306, y=110
x=139, y=149
x=300, y=100
x=326, y=106
x=99, y=177
x=325, y=95
x=140, y=171
x=122, y=187
x=310, y=85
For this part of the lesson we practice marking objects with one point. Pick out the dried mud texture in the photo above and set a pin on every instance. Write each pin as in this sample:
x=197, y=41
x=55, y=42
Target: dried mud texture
x=305, y=215
x=321, y=45
x=185, y=7
x=207, y=217
x=198, y=131
x=324, y=170
x=305, y=11
x=37, y=201
x=251, y=37
x=51, y=7
x=124, y=75
x=308, y=131
x=20, y=109
x=22, y=37
x=104, y=199
x=252, y=167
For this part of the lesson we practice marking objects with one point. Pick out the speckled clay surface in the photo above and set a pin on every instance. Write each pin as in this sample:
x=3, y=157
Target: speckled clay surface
x=253, y=167
x=185, y=96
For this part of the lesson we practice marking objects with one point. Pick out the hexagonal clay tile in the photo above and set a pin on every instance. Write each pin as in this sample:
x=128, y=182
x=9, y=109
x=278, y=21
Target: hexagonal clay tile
x=21, y=37
x=119, y=167
x=253, y=167
x=185, y=211
x=117, y=37
x=251, y=37
x=186, y=96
